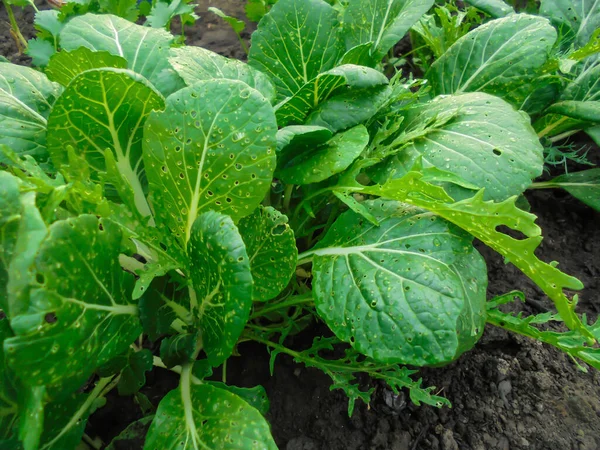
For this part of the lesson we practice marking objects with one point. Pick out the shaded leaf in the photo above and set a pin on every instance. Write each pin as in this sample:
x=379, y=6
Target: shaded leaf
x=576, y=19
x=583, y=185
x=255, y=396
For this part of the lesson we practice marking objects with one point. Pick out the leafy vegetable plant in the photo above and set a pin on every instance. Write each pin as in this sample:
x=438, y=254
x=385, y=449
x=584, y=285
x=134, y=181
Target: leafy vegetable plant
x=161, y=204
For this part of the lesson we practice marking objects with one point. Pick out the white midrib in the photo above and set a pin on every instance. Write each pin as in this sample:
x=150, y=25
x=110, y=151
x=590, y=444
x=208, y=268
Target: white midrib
x=188, y=411
x=35, y=114
x=586, y=18
x=382, y=28
x=131, y=310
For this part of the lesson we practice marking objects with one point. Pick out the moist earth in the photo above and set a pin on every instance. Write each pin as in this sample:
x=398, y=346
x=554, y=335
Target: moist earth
x=509, y=392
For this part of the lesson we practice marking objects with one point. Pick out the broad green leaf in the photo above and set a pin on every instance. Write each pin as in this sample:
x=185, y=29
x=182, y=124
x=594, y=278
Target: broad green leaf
x=501, y=57
x=132, y=435
x=383, y=22
x=31, y=416
x=66, y=65
x=26, y=98
x=494, y=8
x=178, y=349
x=132, y=367
x=101, y=115
x=9, y=407
x=584, y=185
x=221, y=283
x=295, y=109
x=212, y=148
x=80, y=310
x=145, y=49
x=255, y=396
x=296, y=41
x=206, y=417
x=319, y=163
x=588, y=111
x=298, y=138
x=22, y=230
x=411, y=290
x=576, y=20
x=350, y=108
x=484, y=141
x=362, y=55
x=236, y=24
x=272, y=251
x=40, y=52
x=195, y=64
x=481, y=219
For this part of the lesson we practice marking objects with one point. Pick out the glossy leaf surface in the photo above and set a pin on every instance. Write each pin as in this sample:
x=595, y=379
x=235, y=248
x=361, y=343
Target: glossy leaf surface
x=577, y=20
x=272, y=251
x=411, y=290
x=206, y=417
x=212, y=148
x=221, y=281
x=66, y=65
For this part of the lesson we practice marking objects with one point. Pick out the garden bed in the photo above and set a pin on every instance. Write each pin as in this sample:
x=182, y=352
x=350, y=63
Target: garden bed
x=509, y=392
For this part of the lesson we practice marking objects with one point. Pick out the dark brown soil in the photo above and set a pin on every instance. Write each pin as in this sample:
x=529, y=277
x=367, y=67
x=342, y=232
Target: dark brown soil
x=507, y=393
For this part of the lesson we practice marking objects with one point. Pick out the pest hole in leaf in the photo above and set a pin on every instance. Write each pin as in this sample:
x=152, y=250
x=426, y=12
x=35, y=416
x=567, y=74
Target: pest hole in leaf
x=50, y=318
x=407, y=288
x=278, y=230
x=163, y=246
x=100, y=227
x=238, y=166
x=228, y=200
x=139, y=258
x=40, y=278
x=497, y=152
x=181, y=175
x=210, y=193
x=515, y=234
x=240, y=259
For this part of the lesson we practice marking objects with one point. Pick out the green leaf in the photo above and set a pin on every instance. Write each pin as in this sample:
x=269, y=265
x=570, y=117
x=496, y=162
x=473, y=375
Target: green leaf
x=101, y=114
x=132, y=435
x=296, y=41
x=411, y=290
x=493, y=8
x=319, y=163
x=255, y=396
x=146, y=50
x=350, y=108
x=26, y=98
x=584, y=186
x=481, y=219
x=163, y=12
x=501, y=57
x=362, y=55
x=40, y=52
x=48, y=25
x=482, y=140
x=272, y=251
x=127, y=9
x=594, y=133
x=588, y=111
x=237, y=25
x=383, y=22
x=195, y=64
x=66, y=65
x=295, y=139
x=212, y=148
x=296, y=108
x=31, y=418
x=132, y=367
x=576, y=20
x=80, y=311
x=221, y=283
x=179, y=349
x=585, y=87
x=8, y=396
x=206, y=417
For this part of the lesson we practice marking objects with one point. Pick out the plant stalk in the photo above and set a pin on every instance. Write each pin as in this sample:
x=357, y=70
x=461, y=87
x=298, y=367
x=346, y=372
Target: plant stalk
x=21, y=41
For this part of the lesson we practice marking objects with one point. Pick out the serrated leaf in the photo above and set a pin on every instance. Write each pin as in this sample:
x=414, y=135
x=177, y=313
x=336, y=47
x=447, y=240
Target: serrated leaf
x=501, y=57
x=383, y=22
x=481, y=219
x=207, y=417
x=576, y=19
x=195, y=64
x=146, y=50
x=163, y=12
x=212, y=148
x=271, y=249
x=319, y=163
x=80, y=311
x=26, y=98
x=101, y=114
x=221, y=282
x=127, y=9
x=296, y=41
x=484, y=141
x=296, y=108
x=66, y=65
x=255, y=396
x=48, y=24
x=411, y=290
